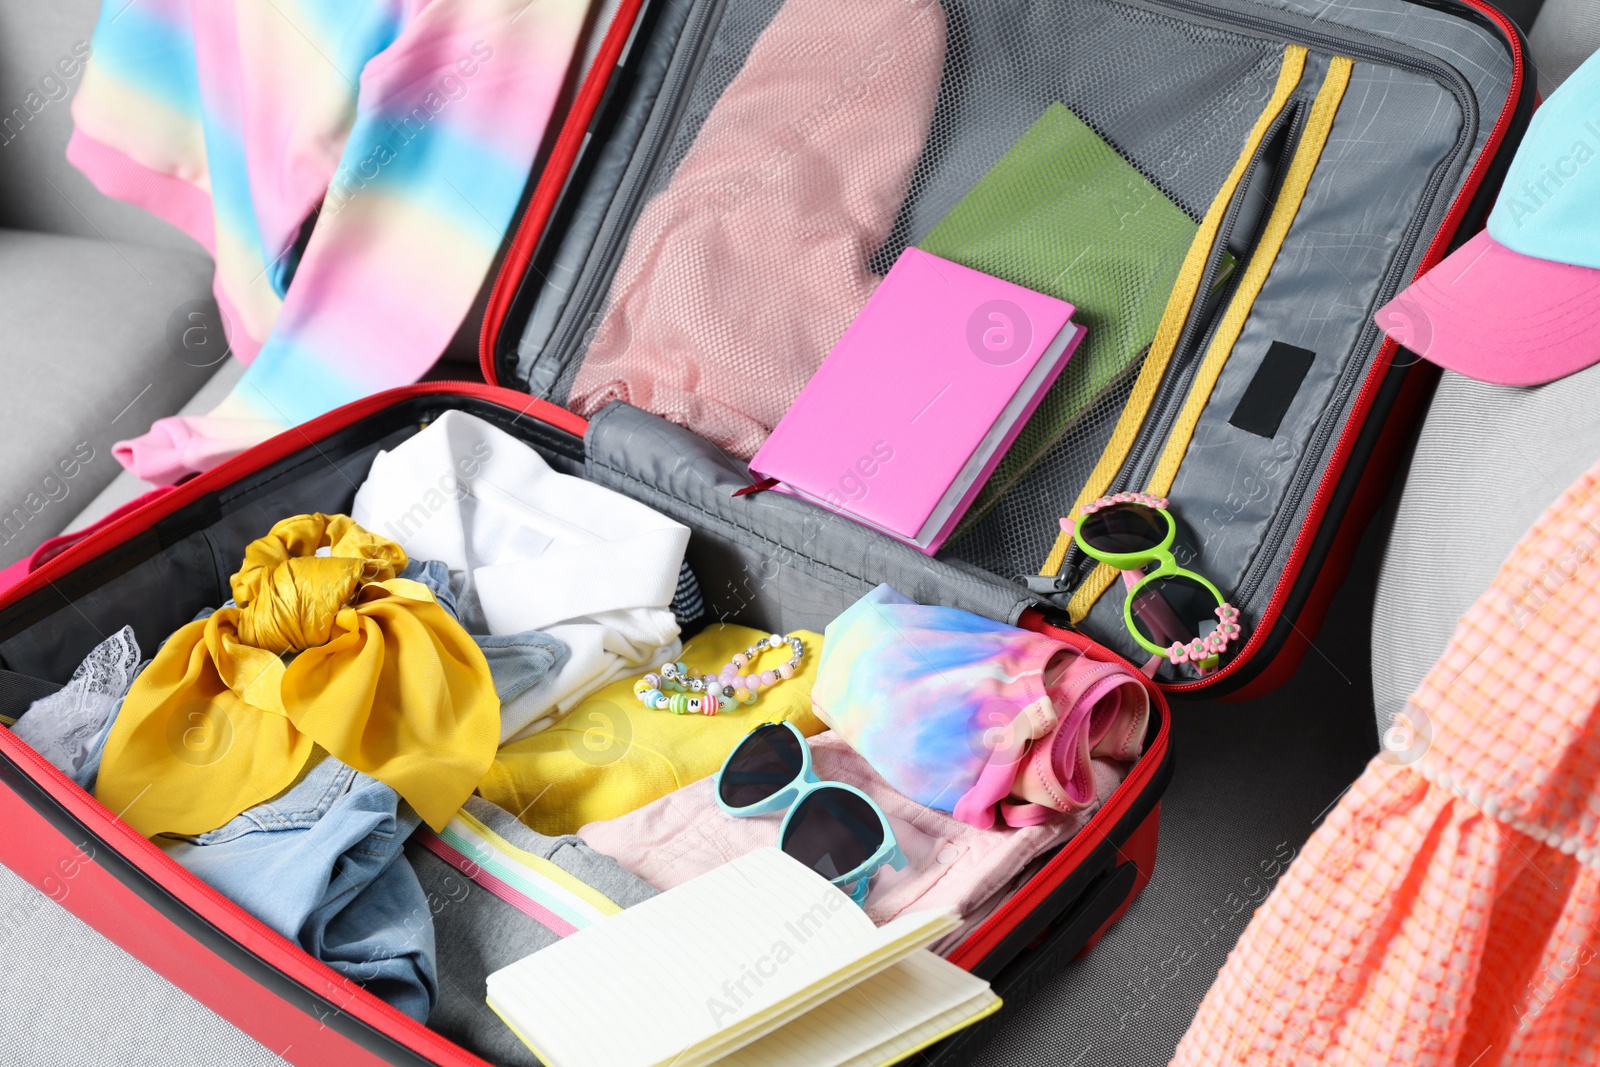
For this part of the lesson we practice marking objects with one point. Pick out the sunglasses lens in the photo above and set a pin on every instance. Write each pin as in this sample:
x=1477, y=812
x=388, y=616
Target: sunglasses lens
x=1124, y=528
x=1172, y=609
x=833, y=831
x=768, y=759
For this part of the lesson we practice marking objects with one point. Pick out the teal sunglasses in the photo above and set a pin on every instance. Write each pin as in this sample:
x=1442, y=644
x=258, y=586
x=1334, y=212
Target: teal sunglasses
x=833, y=828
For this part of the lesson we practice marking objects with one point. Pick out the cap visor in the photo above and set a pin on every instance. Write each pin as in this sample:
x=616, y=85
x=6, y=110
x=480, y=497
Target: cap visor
x=1500, y=316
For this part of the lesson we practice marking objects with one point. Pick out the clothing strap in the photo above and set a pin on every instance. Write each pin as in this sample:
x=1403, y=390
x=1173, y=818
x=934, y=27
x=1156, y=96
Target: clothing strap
x=538, y=887
x=1313, y=140
x=1184, y=293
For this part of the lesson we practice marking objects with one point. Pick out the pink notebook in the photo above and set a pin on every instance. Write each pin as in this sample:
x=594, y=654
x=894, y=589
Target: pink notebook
x=906, y=418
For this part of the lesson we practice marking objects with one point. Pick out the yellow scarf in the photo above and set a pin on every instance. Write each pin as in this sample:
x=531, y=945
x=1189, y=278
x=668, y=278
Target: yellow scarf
x=384, y=680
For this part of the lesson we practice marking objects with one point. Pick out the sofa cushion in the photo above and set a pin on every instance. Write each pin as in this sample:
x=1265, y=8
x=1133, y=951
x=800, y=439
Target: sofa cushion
x=42, y=48
x=94, y=349
x=1567, y=32
x=1489, y=460
x=41, y=66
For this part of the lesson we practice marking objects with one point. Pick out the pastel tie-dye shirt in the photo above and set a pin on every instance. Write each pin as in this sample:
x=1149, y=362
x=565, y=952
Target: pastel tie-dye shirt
x=970, y=716
x=931, y=695
x=351, y=165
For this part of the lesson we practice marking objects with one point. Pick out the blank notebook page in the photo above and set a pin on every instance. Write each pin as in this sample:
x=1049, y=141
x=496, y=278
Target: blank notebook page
x=700, y=960
x=865, y=1025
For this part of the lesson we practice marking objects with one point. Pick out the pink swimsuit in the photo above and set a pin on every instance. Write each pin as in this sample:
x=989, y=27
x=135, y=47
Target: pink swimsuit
x=952, y=864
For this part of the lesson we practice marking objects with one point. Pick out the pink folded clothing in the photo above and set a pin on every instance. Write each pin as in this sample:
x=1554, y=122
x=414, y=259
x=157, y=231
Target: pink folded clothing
x=952, y=864
x=742, y=273
x=179, y=445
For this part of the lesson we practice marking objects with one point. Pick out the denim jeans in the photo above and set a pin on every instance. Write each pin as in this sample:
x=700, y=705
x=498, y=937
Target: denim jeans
x=518, y=662
x=322, y=864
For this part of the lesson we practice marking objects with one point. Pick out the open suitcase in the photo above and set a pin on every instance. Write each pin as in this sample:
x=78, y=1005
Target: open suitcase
x=1352, y=192
x=1406, y=155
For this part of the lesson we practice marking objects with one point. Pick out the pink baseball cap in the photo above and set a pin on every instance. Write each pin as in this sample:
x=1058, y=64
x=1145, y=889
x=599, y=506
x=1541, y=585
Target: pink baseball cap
x=1519, y=304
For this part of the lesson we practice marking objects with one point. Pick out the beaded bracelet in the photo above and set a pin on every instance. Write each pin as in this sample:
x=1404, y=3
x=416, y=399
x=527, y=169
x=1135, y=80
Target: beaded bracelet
x=708, y=694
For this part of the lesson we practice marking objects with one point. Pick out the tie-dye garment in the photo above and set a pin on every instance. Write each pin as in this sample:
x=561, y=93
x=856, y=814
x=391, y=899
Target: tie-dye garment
x=398, y=134
x=970, y=716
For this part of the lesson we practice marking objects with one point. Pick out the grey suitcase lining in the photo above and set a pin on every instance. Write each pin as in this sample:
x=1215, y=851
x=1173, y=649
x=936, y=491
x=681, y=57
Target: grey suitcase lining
x=1384, y=185
x=779, y=564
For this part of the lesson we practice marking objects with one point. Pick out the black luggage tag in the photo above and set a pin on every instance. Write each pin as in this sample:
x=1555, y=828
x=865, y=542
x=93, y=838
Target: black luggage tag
x=1267, y=398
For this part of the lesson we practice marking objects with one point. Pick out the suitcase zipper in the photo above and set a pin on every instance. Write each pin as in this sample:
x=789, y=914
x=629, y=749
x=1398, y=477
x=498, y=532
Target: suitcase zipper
x=1357, y=45
x=1197, y=332
x=705, y=17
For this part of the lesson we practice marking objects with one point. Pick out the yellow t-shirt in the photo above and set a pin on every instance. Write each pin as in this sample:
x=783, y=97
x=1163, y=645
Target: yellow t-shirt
x=611, y=754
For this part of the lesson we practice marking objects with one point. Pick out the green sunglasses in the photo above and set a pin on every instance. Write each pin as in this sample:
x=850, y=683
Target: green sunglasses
x=1171, y=612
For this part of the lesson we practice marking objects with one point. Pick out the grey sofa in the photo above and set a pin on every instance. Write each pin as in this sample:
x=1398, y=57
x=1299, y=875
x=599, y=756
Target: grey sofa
x=1251, y=780
x=88, y=286
x=1490, y=459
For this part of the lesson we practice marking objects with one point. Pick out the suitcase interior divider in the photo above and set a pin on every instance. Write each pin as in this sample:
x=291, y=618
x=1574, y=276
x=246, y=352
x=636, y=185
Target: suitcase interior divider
x=1203, y=69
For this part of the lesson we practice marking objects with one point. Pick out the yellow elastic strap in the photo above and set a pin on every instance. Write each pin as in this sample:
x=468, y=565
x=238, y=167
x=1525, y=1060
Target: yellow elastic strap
x=1182, y=299
x=1312, y=141
x=546, y=869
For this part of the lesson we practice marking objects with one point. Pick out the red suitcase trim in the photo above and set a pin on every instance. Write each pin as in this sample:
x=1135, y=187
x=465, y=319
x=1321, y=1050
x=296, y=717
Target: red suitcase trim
x=1123, y=830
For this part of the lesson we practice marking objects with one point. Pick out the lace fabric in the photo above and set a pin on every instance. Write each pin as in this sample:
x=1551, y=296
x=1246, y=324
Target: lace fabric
x=67, y=726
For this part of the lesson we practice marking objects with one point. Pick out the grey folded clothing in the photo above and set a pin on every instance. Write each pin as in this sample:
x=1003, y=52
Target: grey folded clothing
x=499, y=891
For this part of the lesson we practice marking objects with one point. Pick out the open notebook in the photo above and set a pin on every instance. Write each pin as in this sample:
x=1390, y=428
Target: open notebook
x=759, y=962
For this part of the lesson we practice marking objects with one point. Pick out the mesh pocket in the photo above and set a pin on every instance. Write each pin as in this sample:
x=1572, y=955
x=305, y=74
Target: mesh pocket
x=741, y=274
x=821, y=138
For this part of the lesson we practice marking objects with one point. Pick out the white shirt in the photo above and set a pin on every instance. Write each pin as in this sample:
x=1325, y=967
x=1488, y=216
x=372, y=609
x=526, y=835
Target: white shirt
x=539, y=551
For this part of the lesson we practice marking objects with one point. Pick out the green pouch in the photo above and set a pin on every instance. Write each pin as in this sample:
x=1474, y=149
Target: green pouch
x=1063, y=213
